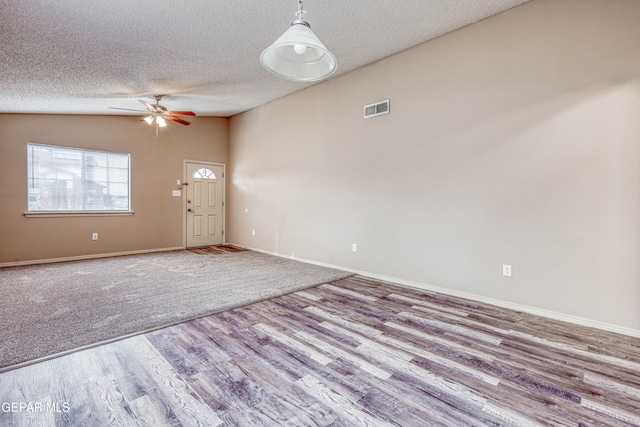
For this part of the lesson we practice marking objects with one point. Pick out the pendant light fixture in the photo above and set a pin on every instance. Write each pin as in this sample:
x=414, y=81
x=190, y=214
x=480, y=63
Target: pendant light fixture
x=298, y=54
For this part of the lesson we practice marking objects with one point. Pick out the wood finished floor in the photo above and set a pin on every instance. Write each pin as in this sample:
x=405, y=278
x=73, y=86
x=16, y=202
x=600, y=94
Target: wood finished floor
x=215, y=250
x=354, y=352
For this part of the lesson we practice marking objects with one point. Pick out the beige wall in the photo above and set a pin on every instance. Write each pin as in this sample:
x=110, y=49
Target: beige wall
x=156, y=164
x=515, y=140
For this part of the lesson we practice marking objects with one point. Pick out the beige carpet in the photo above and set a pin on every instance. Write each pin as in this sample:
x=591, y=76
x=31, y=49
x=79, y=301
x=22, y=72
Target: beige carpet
x=54, y=308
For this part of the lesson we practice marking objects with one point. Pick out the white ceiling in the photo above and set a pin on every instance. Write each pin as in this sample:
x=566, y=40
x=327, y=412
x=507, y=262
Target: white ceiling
x=81, y=57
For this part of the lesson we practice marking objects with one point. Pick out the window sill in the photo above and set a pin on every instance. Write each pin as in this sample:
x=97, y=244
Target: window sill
x=74, y=214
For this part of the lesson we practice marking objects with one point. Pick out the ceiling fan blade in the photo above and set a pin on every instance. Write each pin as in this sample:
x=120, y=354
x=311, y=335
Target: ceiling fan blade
x=182, y=113
x=149, y=106
x=175, y=119
x=127, y=109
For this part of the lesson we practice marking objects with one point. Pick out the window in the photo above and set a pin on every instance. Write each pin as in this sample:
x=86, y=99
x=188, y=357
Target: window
x=204, y=173
x=62, y=179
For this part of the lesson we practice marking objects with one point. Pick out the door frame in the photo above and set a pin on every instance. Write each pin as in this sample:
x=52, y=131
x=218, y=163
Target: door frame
x=187, y=180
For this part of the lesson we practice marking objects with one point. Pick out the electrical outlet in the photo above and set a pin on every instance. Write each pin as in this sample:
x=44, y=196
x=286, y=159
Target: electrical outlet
x=354, y=248
x=506, y=270
x=253, y=232
x=94, y=236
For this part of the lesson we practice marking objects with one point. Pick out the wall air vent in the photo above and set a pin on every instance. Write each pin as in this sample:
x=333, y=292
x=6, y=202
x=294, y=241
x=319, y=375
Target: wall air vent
x=376, y=109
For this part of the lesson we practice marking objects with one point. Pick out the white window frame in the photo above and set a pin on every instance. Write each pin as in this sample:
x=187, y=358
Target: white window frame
x=84, y=193
x=204, y=173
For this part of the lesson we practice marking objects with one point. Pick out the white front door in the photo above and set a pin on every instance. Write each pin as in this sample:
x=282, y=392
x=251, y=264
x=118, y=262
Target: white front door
x=205, y=204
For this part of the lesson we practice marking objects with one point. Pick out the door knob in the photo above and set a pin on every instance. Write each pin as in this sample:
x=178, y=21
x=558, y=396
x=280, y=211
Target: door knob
x=189, y=210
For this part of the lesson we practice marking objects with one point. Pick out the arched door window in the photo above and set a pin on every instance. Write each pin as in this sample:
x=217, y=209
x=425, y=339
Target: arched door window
x=204, y=173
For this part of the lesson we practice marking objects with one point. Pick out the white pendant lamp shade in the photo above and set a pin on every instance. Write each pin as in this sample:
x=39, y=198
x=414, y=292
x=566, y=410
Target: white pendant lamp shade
x=299, y=55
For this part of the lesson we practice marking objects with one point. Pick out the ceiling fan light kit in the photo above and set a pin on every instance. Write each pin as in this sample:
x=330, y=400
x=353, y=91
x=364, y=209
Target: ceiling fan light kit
x=298, y=54
x=161, y=122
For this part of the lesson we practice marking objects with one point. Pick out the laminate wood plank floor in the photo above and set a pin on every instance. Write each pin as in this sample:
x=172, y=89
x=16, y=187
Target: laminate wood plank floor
x=356, y=352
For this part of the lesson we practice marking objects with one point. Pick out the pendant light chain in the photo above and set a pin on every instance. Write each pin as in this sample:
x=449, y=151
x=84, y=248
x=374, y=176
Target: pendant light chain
x=301, y=12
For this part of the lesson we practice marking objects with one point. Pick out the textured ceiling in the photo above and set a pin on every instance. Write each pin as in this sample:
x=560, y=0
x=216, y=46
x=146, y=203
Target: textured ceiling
x=81, y=57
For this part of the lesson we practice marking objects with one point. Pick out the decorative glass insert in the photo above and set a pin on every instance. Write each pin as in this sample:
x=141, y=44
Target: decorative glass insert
x=204, y=173
x=64, y=179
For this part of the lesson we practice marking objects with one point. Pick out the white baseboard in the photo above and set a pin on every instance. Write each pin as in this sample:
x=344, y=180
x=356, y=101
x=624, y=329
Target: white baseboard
x=500, y=303
x=83, y=257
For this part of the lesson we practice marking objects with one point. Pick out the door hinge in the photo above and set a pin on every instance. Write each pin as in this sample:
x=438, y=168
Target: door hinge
x=223, y=203
x=223, y=232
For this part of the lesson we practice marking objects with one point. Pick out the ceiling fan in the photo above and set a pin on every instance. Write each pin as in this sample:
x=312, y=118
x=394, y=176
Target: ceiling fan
x=160, y=114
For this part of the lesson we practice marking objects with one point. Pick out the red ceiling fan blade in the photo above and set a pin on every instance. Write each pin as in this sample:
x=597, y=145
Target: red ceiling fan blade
x=182, y=113
x=175, y=119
